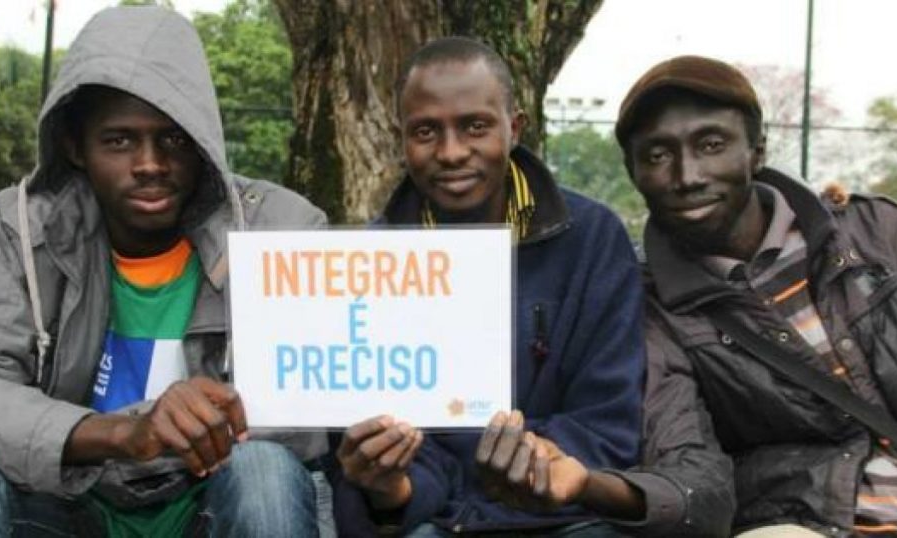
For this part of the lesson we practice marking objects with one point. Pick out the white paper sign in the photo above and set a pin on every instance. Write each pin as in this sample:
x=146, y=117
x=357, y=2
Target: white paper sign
x=333, y=327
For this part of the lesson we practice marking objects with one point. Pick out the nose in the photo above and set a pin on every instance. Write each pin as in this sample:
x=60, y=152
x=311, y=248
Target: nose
x=150, y=160
x=691, y=172
x=452, y=149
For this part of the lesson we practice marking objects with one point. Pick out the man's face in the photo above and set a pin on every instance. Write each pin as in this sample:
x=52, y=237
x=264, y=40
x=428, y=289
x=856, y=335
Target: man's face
x=694, y=164
x=142, y=167
x=458, y=133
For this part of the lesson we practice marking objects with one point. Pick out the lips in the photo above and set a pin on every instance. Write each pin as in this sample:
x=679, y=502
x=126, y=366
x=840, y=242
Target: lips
x=457, y=183
x=151, y=199
x=695, y=210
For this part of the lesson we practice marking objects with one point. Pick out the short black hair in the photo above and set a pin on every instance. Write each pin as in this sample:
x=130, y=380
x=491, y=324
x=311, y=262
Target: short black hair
x=459, y=49
x=653, y=104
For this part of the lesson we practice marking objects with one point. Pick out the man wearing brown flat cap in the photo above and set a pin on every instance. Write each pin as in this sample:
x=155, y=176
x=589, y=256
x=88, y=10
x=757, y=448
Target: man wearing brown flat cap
x=781, y=303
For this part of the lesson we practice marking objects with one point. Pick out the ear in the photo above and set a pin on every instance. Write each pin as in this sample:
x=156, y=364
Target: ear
x=72, y=151
x=758, y=155
x=518, y=122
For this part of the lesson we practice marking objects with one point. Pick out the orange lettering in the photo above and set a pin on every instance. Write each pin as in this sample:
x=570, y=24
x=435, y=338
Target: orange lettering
x=438, y=265
x=266, y=273
x=411, y=277
x=385, y=270
x=359, y=277
x=286, y=273
x=310, y=257
x=332, y=272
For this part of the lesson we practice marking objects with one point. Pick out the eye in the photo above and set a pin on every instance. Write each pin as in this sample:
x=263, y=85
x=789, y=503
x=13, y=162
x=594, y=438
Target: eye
x=423, y=133
x=712, y=144
x=477, y=127
x=117, y=142
x=658, y=155
x=177, y=140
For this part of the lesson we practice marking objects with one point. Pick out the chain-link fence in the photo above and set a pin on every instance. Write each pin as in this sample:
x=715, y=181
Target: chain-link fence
x=584, y=155
x=853, y=155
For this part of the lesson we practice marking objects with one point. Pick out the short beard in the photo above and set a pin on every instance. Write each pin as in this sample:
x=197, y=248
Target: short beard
x=710, y=242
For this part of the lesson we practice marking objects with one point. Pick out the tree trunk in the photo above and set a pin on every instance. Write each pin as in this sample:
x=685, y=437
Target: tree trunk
x=347, y=56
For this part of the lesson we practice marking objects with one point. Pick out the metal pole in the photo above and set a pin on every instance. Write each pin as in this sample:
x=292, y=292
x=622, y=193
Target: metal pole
x=805, y=126
x=48, y=51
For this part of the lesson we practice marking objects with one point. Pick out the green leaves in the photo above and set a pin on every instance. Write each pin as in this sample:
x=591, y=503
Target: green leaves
x=250, y=61
x=20, y=74
x=883, y=115
x=592, y=164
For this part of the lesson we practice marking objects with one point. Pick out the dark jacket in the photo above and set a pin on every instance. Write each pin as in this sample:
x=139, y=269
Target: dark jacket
x=797, y=458
x=579, y=360
x=686, y=479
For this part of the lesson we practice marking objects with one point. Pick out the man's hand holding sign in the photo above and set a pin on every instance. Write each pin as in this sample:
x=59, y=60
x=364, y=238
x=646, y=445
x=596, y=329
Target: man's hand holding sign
x=529, y=472
x=375, y=455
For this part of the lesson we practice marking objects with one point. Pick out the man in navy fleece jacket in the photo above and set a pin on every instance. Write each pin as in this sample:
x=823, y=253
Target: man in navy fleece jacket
x=579, y=348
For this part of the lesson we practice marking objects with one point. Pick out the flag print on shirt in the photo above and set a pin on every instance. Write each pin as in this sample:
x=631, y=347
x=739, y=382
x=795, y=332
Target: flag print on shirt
x=152, y=303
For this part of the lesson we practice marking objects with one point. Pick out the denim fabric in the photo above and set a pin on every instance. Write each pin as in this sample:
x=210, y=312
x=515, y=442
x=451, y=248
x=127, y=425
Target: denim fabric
x=326, y=525
x=5, y=529
x=41, y=515
x=263, y=491
x=576, y=530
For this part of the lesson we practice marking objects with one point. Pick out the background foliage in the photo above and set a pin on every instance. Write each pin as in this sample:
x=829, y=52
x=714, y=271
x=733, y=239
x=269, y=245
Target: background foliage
x=591, y=163
x=250, y=63
x=883, y=116
x=20, y=75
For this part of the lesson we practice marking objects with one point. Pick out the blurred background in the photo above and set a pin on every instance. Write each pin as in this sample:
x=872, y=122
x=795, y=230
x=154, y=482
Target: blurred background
x=306, y=96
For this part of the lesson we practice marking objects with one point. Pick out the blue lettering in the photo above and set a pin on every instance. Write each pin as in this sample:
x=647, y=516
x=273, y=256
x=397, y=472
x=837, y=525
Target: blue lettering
x=381, y=368
x=428, y=354
x=309, y=367
x=359, y=353
x=355, y=323
x=394, y=361
x=335, y=365
x=285, y=352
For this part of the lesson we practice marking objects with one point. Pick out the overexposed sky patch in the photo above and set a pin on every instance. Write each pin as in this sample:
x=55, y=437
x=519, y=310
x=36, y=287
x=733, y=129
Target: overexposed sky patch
x=22, y=22
x=853, y=45
x=853, y=41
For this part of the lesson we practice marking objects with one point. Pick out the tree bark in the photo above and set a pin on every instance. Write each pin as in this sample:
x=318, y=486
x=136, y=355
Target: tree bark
x=347, y=56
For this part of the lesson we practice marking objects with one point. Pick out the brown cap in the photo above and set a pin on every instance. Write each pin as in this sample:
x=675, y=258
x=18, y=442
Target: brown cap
x=704, y=76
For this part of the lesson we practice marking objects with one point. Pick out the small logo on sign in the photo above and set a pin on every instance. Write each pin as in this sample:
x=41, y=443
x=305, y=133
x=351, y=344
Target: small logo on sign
x=473, y=408
x=456, y=408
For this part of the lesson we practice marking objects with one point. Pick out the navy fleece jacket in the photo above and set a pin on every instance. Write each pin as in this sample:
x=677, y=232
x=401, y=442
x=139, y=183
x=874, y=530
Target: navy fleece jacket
x=579, y=362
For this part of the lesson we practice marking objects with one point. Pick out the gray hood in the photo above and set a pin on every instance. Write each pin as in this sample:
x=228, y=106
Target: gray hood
x=154, y=54
x=150, y=52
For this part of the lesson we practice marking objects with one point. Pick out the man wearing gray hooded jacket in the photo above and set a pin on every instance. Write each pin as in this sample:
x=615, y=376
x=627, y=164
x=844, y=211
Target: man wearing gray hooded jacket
x=114, y=277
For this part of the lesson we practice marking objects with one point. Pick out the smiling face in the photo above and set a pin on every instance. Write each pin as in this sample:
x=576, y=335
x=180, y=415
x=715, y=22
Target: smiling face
x=142, y=167
x=458, y=131
x=693, y=163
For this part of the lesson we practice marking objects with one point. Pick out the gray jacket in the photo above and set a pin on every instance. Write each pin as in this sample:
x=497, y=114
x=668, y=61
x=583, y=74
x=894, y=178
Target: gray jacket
x=156, y=55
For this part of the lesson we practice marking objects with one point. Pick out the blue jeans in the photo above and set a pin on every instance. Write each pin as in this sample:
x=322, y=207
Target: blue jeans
x=5, y=529
x=40, y=515
x=577, y=530
x=263, y=491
